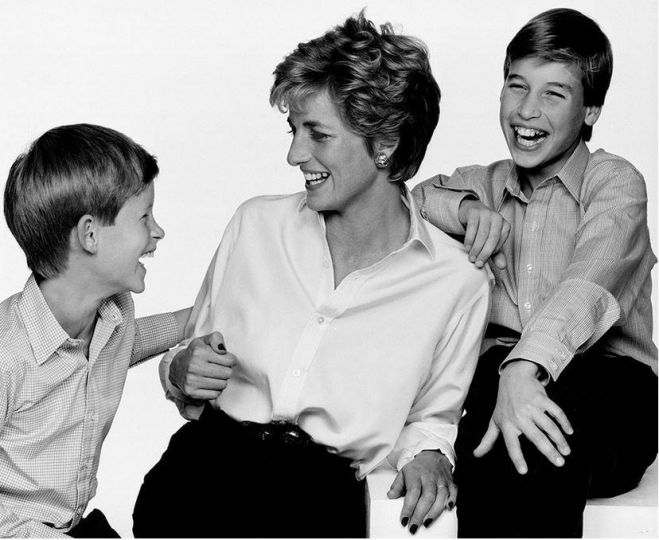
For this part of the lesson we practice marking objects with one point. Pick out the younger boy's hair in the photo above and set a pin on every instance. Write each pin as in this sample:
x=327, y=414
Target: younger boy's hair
x=568, y=36
x=66, y=173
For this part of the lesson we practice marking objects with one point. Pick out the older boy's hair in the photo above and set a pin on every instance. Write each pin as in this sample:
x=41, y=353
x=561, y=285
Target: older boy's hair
x=68, y=172
x=380, y=81
x=568, y=36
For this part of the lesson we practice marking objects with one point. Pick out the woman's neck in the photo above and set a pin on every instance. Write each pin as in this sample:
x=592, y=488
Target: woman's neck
x=362, y=237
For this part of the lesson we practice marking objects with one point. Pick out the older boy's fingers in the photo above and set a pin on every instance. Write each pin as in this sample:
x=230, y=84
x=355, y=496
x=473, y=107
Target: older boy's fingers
x=511, y=438
x=488, y=248
x=557, y=440
x=470, y=234
x=505, y=233
x=542, y=442
x=553, y=409
x=482, y=234
x=488, y=440
x=499, y=259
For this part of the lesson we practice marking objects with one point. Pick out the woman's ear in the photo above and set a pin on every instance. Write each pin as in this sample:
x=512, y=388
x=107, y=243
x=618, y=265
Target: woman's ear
x=86, y=233
x=386, y=146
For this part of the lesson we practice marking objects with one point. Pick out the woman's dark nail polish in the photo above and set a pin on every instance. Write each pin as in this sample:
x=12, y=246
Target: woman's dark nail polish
x=451, y=504
x=413, y=529
x=221, y=348
x=427, y=523
x=404, y=521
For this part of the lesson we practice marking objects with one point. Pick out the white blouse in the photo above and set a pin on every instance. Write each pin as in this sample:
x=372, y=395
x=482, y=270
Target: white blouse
x=377, y=368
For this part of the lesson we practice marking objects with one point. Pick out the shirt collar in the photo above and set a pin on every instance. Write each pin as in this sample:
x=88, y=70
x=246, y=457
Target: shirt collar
x=570, y=175
x=44, y=332
x=418, y=231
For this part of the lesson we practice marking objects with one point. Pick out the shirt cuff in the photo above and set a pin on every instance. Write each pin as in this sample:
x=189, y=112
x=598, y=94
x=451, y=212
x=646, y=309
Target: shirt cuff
x=408, y=454
x=441, y=205
x=543, y=350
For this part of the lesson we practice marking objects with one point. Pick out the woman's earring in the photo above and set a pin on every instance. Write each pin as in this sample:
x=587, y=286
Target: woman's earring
x=381, y=160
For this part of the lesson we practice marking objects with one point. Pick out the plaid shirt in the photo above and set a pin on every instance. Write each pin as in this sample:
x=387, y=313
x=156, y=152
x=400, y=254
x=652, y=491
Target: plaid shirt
x=579, y=256
x=57, y=406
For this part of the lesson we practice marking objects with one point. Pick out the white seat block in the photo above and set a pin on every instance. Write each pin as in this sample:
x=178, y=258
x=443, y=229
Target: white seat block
x=632, y=515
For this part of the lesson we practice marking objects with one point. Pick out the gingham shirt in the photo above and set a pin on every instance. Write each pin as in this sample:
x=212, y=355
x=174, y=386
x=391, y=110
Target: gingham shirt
x=56, y=406
x=579, y=256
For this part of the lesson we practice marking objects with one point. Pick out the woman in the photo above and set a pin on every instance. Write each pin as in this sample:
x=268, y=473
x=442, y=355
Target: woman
x=355, y=325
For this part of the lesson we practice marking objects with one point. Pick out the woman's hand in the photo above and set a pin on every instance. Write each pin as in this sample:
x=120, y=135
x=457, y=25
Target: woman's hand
x=427, y=483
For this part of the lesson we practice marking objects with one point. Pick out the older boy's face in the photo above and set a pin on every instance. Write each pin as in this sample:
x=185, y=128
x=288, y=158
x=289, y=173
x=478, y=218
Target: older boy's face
x=542, y=112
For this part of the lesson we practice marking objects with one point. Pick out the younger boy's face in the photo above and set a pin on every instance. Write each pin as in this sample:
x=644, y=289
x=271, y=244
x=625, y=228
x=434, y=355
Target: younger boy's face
x=133, y=236
x=542, y=113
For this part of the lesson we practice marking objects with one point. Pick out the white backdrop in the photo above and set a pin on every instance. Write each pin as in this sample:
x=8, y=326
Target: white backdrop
x=189, y=80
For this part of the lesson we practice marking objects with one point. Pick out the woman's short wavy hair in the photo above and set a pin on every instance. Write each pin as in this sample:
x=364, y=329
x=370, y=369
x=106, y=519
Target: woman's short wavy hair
x=380, y=81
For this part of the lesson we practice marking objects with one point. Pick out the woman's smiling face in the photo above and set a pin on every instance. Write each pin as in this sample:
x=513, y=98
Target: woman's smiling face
x=339, y=171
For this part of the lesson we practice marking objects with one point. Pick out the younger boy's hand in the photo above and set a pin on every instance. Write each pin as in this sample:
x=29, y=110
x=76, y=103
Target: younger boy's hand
x=427, y=483
x=203, y=368
x=523, y=408
x=486, y=232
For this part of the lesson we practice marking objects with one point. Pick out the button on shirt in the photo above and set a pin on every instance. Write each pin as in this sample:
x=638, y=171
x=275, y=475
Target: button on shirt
x=378, y=367
x=579, y=255
x=57, y=406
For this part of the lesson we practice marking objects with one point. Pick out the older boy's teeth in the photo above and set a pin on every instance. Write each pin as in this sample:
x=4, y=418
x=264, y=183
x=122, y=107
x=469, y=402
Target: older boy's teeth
x=528, y=136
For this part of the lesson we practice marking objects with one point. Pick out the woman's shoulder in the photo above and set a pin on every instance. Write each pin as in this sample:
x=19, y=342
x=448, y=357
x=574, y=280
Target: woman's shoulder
x=269, y=206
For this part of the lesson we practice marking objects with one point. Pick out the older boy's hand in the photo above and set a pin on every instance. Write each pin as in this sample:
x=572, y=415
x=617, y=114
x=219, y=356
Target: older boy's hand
x=486, y=232
x=523, y=408
x=203, y=368
x=427, y=483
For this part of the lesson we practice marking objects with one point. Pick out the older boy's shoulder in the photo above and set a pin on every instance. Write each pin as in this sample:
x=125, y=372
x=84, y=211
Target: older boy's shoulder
x=607, y=171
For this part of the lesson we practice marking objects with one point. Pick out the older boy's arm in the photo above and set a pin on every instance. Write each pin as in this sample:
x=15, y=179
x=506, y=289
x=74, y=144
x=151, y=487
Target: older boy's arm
x=424, y=452
x=611, y=260
x=460, y=205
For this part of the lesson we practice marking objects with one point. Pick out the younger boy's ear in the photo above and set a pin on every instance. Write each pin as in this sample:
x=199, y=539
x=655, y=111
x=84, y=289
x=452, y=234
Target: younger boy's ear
x=592, y=114
x=86, y=233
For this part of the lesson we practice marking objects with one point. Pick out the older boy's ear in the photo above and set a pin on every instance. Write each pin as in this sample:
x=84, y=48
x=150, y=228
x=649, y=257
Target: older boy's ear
x=86, y=232
x=592, y=114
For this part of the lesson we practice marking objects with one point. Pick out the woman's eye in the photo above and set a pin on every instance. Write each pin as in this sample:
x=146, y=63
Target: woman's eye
x=318, y=137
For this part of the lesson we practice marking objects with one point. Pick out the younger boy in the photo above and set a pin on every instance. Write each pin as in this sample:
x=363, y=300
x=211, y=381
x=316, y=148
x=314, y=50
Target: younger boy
x=568, y=370
x=80, y=204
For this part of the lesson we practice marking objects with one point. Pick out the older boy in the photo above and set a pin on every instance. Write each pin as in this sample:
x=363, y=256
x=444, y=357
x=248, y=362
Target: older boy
x=80, y=204
x=568, y=370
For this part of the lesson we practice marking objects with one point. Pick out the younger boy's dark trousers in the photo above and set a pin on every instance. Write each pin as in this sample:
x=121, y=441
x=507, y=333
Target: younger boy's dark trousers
x=94, y=525
x=611, y=403
x=223, y=478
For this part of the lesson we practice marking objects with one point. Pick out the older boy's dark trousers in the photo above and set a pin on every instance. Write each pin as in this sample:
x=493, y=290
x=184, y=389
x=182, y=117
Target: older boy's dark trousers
x=611, y=403
x=216, y=480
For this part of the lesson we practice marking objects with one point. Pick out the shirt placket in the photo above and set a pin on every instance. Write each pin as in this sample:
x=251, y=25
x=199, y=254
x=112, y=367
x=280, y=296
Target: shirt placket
x=317, y=326
x=528, y=263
